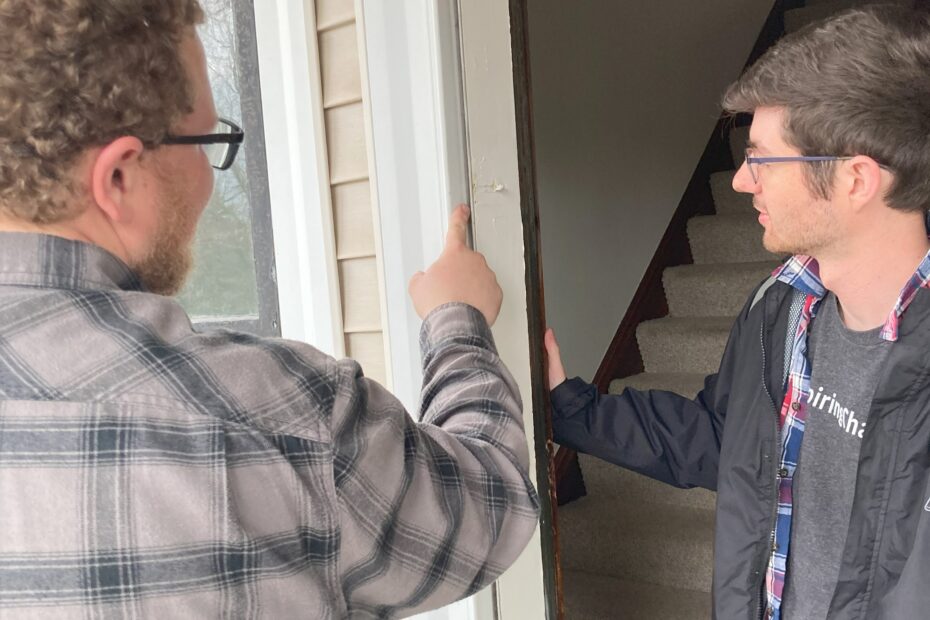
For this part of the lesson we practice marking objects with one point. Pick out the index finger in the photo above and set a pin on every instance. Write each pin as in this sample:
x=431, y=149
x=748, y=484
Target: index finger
x=458, y=227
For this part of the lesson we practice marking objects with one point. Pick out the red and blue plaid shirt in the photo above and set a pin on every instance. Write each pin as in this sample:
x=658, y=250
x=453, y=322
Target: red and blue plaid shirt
x=803, y=273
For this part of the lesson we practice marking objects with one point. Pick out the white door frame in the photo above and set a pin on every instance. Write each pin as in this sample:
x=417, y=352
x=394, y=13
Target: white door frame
x=498, y=226
x=428, y=68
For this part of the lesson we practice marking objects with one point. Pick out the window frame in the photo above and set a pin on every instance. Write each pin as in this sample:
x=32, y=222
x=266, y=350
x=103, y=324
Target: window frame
x=298, y=175
x=267, y=323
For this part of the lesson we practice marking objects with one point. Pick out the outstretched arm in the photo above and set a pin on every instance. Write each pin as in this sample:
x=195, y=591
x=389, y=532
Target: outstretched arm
x=661, y=434
x=434, y=510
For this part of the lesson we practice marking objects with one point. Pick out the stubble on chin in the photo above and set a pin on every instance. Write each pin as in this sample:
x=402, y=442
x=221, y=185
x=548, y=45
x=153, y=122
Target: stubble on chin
x=804, y=244
x=772, y=244
x=165, y=267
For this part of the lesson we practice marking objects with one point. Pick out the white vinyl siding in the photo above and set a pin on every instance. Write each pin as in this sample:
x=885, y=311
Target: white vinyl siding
x=348, y=152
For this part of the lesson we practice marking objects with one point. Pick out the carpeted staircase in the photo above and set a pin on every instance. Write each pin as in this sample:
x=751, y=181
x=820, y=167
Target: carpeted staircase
x=634, y=547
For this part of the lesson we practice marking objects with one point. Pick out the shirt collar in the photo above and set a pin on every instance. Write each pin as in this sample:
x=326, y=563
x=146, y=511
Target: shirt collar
x=803, y=273
x=47, y=261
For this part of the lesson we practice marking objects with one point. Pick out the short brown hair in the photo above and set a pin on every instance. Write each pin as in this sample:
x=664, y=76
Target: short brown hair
x=78, y=74
x=855, y=84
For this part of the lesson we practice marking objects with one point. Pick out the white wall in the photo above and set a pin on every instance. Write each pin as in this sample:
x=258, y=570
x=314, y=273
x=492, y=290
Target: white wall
x=625, y=95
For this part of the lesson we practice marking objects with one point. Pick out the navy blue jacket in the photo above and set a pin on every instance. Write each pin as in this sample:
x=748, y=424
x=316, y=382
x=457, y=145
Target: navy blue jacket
x=727, y=439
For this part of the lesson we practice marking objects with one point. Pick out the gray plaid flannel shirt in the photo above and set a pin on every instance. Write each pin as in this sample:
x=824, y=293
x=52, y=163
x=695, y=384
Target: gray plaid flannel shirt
x=148, y=471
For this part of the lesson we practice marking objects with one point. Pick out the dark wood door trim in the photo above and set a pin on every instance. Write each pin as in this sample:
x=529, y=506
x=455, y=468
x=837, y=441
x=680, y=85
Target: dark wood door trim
x=536, y=313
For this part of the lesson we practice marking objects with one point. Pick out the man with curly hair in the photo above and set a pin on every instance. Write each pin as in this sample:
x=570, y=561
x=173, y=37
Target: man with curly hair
x=150, y=471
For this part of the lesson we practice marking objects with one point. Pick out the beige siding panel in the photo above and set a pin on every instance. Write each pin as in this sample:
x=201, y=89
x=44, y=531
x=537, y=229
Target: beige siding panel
x=368, y=350
x=329, y=12
x=361, y=302
x=342, y=80
x=348, y=151
x=355, y=229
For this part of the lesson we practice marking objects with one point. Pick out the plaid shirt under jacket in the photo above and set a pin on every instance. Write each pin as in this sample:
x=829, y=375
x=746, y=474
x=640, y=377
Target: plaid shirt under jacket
x=147, y=471
x=803, y=273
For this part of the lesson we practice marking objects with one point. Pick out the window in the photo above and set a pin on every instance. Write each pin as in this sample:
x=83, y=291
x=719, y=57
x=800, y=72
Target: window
x=233, y=281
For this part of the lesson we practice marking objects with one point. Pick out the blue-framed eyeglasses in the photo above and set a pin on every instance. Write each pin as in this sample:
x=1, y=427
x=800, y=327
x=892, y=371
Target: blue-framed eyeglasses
x=753, y=163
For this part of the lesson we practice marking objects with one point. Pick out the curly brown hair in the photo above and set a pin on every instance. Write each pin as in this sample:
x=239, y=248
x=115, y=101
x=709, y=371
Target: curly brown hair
x=76, y=74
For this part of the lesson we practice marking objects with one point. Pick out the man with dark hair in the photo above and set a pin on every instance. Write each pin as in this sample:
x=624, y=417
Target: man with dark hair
x=815, y=430
x=147, y=470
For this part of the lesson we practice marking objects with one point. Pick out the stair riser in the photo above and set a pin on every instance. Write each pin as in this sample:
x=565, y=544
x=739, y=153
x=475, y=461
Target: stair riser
x=716, y=300
x=739, y=137
x=614, y=549
x=710, y=295
x=728, y=201
x=611, y=483
x=697, y=352
x=727, y=240
x=595, y=597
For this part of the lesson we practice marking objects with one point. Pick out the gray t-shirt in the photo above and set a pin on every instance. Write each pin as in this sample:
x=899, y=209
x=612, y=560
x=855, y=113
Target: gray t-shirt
x=845, y=368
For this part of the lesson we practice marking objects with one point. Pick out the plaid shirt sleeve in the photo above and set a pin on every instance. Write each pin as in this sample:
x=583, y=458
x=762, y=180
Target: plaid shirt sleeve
x=432, y=511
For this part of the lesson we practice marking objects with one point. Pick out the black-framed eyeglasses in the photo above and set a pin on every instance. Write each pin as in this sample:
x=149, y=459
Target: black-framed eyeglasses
x=221, y=146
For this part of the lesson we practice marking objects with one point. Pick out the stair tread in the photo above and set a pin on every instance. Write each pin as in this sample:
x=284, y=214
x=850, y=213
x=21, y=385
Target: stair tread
x=590, y=596
x=706, y=269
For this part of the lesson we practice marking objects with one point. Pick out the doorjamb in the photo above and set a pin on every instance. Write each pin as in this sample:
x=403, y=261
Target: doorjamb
x=499, y=136
x=536, y=310
x=417, y=172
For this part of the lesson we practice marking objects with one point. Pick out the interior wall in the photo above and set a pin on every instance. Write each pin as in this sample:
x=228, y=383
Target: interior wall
x=625, y=95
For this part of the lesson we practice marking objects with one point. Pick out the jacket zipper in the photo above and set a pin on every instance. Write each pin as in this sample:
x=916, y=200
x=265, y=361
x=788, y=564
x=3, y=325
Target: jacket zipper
x=771, y=400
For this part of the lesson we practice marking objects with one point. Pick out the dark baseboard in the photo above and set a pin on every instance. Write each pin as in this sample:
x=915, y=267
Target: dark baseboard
x=570, y=486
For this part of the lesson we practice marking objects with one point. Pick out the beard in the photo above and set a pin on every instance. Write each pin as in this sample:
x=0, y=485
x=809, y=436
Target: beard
x=165, y=267
x=808, y=231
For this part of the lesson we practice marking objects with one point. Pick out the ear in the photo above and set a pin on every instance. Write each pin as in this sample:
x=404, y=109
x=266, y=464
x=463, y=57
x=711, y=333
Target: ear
x=115, y=175
x=864, y=181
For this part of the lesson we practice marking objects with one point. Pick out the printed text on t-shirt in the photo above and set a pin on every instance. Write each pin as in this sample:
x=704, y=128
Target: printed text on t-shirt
x=845, y=417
